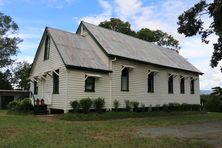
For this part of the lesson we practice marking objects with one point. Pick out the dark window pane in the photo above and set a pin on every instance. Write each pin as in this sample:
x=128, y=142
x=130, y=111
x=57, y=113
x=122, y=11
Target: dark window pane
x=192, y=86
x=182, y=87
x=151, y=82
x=56, y=82
x=47, y=47
x=170, y=84
x=125, y=80
x=90, y=84
x=35, y=87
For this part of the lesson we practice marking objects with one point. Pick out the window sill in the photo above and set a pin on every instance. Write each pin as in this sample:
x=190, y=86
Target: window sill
x=125, y=90
x=150, y=91
x=89, y=90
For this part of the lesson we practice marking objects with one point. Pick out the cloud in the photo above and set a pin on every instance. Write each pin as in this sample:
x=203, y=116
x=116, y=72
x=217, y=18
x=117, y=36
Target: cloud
x=97, y=18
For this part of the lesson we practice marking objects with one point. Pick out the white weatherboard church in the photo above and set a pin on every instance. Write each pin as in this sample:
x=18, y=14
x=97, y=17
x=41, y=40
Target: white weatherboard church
x=98, y=62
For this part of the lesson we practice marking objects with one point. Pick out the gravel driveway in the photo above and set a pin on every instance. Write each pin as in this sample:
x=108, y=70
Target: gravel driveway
x=210, y=132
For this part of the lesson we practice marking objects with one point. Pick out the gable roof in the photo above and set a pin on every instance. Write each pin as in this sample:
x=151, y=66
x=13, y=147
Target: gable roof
x=76, y=51
x=118, y=44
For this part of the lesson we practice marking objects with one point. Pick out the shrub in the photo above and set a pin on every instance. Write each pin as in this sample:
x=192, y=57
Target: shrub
x=98, y=104
x=24, y=105
x=116, y=105
x=174, y=106
x=135, y=105
x=85, y=104
x=12, y=105
x=143, y=107
x=165, y=107
x=128, y=105
x=213, y=104
x=75, y=105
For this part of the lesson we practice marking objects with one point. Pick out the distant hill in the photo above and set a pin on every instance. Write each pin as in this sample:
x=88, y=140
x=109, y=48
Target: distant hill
x=204, y=92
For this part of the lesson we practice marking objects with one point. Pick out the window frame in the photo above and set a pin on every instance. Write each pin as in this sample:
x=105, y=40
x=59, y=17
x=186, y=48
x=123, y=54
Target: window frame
x=56, y=83
x=47, y=48
x=91, y=83
x=35, y=87
x=127, y=76
x=192, y=86
x=150, y=82
x=170, y=84
x=182, y=85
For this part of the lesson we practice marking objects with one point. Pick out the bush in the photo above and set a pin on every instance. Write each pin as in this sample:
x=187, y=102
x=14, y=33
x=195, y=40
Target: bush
x=143, y=107
x=24, y=105
x=98, y=104
x=173, y=106
x=135, y=105
x=85, y=104
x=213, y=104
x=128, y=105
x=116, y=105
x=75, y=105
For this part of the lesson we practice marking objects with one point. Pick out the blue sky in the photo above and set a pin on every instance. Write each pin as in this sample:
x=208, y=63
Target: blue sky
x=32, y=16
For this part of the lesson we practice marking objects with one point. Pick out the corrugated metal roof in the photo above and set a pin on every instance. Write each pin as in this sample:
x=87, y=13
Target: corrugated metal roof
x=76, y=51
x=122, y=45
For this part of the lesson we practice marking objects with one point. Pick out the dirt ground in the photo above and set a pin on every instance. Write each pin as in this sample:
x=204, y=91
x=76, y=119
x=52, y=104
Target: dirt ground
x=209, y=132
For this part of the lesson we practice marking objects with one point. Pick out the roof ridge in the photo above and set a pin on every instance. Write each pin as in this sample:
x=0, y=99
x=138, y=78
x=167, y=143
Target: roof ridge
x=125, y=35
x=57, y=29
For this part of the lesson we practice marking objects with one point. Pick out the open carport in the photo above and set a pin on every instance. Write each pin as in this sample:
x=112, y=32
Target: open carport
x=7, y=96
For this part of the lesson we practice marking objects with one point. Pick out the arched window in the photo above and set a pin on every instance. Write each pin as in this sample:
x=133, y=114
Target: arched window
x=125, y=80
x=170, y=84
x=182, y=88
x=47, y=47
x=192, y=86
x=150, y=81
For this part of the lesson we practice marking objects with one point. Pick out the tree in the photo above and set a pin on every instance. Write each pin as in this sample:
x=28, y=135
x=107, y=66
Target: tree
x=118, y=25
x=8, y=45
x=157, y=36
x=21, y=75
x=191, y=23
x=5, y=80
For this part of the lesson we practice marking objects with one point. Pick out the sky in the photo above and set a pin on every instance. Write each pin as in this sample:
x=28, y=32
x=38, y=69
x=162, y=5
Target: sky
x=32, y=16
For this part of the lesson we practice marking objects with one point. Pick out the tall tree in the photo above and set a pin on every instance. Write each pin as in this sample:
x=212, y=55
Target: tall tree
x=191, y=23
x=21, y=74
x=157, y=36
x=118, y=25
x=6, y=79
x=8, y=45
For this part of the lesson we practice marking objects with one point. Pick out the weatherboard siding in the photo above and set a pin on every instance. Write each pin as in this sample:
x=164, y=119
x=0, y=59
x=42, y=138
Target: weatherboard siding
x=76, y=86
x=45, y=87
x=138, y=85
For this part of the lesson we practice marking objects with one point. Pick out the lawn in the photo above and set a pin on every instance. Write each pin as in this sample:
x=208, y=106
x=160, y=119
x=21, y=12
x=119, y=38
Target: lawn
x=37, y=131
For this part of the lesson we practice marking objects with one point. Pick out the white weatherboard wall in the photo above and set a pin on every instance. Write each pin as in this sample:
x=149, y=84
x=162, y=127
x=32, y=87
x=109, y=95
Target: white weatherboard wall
x=76, y=86
x=45, y=87
x=138, y=85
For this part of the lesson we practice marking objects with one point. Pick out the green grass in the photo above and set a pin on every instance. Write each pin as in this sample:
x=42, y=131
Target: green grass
x=93, y=116
x=35, y=131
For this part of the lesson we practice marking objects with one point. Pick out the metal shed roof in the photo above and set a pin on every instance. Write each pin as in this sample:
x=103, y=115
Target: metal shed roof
x=118, y=44
x=76, y=51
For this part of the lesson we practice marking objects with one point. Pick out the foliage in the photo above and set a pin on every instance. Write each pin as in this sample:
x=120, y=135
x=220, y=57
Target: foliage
x=135, y=105
x=8, y=45
x=5, y=80
x=143, y=107
x=213, y=102
x=116, y=105
x=75, y=105
x=23, y=105
x=157, y=36
x=98, y=104
x=128, y=105
x=85, y=104
x=21, y=72
x=191, y=23
x=118, y=25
